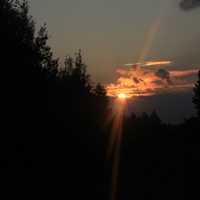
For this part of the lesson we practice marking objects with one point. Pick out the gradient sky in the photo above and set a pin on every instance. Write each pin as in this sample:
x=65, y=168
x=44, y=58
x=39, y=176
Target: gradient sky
x=114, y=32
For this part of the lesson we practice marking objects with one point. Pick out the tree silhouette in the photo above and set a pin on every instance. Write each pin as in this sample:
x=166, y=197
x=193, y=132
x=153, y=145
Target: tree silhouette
x=154, y=118
x=56, y=122
x=196, y=98
x=45, y=55
x=100, y=90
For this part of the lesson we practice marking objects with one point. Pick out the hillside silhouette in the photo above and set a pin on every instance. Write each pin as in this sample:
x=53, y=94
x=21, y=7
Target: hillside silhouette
x=56, y=124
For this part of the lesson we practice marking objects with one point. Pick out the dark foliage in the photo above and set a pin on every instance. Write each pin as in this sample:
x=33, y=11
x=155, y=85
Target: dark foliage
x=55, y=130
x=196, y=99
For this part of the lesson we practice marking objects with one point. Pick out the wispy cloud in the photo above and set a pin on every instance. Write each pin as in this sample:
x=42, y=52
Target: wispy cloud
x=183, y=73
x=141, y=80
x=149, y=63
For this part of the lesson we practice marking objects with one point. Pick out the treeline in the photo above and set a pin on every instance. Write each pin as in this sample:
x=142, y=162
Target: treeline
x=56, y=123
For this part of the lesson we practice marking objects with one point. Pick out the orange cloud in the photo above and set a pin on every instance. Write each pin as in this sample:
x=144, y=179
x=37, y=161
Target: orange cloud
x=140, y=81
x=149, y=63
x=183, y=73
x=155, y=63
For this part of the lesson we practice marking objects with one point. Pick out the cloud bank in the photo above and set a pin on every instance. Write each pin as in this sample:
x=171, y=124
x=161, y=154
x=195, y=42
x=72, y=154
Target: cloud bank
x=143, y=80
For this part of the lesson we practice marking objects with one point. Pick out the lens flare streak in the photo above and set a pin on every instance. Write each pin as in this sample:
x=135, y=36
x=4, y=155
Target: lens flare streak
x=115, y=141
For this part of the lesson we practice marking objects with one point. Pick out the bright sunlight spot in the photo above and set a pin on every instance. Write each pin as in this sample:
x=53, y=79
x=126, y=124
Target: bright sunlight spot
x=122, y=96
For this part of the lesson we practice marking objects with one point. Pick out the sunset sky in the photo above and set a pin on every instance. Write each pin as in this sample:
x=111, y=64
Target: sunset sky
x=119, y=38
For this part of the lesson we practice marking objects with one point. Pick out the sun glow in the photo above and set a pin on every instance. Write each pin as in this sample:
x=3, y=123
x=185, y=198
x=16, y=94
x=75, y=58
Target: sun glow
x=122, y=96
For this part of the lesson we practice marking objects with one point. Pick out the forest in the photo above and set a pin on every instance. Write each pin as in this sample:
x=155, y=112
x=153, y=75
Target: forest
x=57, y=126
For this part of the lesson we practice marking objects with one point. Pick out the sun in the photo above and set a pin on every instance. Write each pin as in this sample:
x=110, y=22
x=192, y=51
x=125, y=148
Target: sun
x=122, y=96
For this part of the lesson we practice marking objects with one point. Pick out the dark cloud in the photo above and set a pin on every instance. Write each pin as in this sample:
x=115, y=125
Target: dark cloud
x=158, y=82
x=136, y=80
x=189, y=4
x=164, y=75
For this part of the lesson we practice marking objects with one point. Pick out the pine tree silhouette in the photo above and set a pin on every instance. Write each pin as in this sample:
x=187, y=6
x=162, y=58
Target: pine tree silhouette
x=196, y=98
